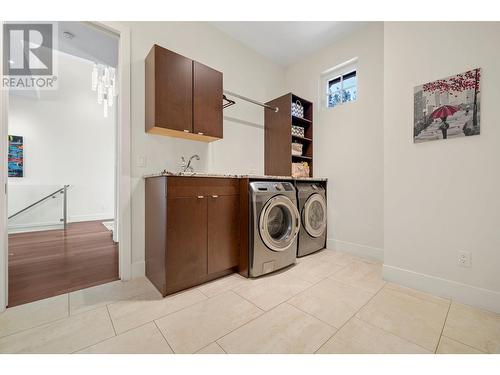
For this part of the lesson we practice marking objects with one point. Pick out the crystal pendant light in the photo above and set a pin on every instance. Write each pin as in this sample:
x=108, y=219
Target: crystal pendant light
x=104, y=83
x=105, y=108
x=95, y=73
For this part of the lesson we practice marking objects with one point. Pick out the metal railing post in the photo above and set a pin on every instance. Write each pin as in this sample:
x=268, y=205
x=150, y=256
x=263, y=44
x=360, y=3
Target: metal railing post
x=65, y=206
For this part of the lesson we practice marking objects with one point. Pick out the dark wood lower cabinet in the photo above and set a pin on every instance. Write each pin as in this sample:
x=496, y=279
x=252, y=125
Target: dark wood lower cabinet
x=192, y=230
x=223, y=232
x=186, y=253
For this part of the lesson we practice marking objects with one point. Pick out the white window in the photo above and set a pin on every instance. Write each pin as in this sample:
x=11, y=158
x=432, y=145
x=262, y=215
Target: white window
x=340, y=84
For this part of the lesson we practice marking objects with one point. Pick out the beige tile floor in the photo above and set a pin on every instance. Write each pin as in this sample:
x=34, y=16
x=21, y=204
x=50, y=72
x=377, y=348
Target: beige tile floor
x=329, y=302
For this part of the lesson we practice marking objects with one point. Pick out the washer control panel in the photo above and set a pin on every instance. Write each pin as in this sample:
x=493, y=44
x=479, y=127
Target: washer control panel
x=271, y=186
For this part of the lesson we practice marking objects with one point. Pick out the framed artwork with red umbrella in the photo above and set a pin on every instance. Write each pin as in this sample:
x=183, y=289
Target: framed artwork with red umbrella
x=448, y=107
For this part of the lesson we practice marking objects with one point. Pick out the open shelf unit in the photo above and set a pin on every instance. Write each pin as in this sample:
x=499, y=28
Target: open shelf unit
x=278, y=136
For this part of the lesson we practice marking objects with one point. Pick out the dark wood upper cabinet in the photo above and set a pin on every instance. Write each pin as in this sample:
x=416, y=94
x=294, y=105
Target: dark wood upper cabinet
x=223, y=232
x=207, y=103
x=169, y=92
x=183, y=98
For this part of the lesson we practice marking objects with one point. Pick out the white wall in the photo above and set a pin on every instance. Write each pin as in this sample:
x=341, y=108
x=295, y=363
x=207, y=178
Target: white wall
x=442, y=196
x=241, y=150
x=348, y=141
x=67, y=140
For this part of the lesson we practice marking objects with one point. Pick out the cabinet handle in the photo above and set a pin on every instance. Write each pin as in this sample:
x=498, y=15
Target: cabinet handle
x=200, y=197
x=215, y=196
x=201, y=133
x=186, y=131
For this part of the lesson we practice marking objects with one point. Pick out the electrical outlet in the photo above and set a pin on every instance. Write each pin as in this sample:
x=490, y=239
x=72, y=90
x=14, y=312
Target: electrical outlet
x=464, y=259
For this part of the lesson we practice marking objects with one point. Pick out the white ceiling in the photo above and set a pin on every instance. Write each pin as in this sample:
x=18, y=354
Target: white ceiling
x=89, y=42
x=287, y=42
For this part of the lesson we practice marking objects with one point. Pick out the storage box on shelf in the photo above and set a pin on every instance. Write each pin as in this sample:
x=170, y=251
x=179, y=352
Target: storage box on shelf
x=297, y=148
x=298, y=109
x=298, y=131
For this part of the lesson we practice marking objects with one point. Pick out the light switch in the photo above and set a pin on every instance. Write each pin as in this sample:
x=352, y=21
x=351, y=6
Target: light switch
x=141, y=161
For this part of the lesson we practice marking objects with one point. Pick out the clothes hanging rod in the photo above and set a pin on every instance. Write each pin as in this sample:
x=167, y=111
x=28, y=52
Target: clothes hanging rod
x=275, y=109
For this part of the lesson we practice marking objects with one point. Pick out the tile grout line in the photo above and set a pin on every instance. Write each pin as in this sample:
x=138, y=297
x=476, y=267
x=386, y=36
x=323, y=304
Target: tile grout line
x=423, y=299
x=157, y=318
x=111, y=320
x=392, y=333
x=36, y=326
x=386, y=286
x=104, y=340
x=442, y=329
x=201, y=291
x=239, y=295
x=286, y=300
x=468, y=345
x=395, y=335
x=206, y=346
x=338, y=330
x=297, y=277
x=329, y=277
x=244, y=324
x=251, y=320
x=216, y=343
x=164, y=338
x=228, y=291
x=107, y=303
x=312, y=316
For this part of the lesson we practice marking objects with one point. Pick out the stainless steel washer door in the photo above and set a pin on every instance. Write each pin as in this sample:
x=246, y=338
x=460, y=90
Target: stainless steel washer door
x=314, y=215
x=279, y=223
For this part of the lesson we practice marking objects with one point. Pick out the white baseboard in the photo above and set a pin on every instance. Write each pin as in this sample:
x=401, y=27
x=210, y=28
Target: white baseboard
x=39, y=226
x=92, y=217
x=470, y=295
x=138, y=269
x=34, y=227
x=356, y=249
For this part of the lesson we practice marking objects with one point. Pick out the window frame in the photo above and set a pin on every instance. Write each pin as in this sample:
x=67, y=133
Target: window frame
x=334, y=73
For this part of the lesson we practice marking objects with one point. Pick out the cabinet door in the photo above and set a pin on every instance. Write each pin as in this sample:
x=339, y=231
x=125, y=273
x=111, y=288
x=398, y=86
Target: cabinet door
x=207, y=101
x=174, y=90
x=186, y=253
x=223, y=232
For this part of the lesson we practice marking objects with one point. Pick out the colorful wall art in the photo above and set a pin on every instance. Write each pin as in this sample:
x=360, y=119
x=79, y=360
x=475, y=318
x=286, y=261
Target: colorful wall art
x=15, y=156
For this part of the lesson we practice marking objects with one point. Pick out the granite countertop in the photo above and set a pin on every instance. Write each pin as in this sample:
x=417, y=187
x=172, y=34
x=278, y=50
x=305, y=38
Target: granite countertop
x=264, y=177
x=166, y=173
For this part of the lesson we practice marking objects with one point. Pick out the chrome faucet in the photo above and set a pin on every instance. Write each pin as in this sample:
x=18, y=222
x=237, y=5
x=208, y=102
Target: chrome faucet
x=186, y=167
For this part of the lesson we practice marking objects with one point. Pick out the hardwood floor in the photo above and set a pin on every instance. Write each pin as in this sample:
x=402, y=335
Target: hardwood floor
x=48, y=263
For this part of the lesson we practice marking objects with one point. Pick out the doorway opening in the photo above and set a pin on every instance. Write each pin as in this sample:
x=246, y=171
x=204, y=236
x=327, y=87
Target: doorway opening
x=62, y=171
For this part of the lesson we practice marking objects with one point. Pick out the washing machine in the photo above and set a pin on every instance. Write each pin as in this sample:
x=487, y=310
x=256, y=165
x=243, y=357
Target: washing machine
x=274, y=226
x=311, y=198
